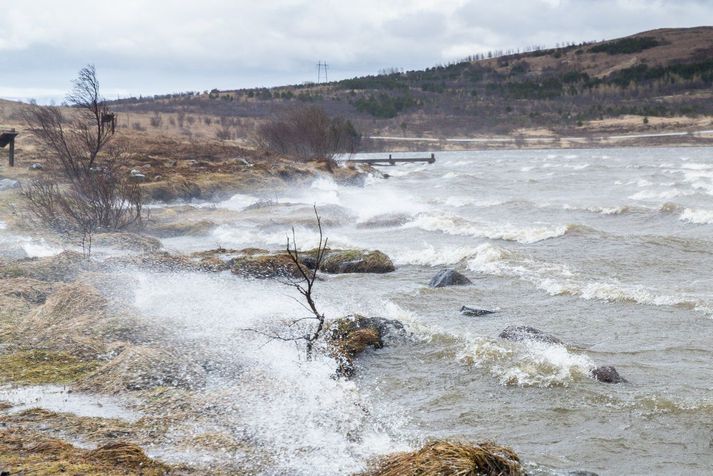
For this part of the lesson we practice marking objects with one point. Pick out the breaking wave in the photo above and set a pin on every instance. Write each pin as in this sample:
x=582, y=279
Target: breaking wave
x=454, y=225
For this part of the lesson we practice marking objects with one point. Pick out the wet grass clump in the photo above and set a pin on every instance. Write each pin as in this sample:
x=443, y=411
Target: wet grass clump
x=35, y=367
x=451, y=458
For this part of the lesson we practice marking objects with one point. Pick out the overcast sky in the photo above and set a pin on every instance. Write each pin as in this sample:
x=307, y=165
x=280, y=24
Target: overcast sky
x=159, y=46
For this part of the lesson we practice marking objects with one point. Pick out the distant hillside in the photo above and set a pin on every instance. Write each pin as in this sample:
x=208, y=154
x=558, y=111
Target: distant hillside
x=655, y=74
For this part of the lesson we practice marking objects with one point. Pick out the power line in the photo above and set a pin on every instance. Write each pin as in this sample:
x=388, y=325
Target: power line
x=320, y=65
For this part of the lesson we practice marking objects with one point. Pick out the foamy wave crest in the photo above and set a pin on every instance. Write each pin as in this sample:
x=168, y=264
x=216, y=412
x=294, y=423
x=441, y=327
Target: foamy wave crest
x=429, y=255
x=528, y=363
x=698, y=216
x=558, y=279
x=659, y=194
x=231, y=236
x=454, y=225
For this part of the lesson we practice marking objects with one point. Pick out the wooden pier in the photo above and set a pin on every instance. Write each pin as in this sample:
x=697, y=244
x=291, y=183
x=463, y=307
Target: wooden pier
x=393, y=161
x=8, y=137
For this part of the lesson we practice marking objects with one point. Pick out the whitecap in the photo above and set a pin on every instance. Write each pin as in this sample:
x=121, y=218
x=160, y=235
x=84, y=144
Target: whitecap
x=698, y=216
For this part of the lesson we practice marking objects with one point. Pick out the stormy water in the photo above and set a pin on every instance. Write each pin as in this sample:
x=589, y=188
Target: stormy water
x=609, y=250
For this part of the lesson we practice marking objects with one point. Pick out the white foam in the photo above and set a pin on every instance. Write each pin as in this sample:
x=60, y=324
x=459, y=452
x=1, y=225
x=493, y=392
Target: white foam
x=558, y=279
x=237, y=202
x=698, y=216
x=311, y=422
x=429, y=255
x=528, y=363
x=455, y=225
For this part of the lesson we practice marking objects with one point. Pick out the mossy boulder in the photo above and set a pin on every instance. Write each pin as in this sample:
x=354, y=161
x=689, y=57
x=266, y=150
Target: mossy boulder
x=449, y=457
x=352, y=335
x=262, y=266
x=351, y=261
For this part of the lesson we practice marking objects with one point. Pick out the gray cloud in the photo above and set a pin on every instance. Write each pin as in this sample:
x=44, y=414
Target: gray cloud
x=154, y=46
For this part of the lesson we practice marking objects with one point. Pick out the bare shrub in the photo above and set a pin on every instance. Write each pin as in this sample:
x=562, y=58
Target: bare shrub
x=308, y=133
x=75, y=141
x=156, y=120
x=93, y=203
x=223, y=134
x=96, y=197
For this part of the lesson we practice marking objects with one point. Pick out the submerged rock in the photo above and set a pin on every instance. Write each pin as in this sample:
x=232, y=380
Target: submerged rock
x=448, y=277
x=521, y=333
x=446, y=457
x=607, y=374
x=474, y=312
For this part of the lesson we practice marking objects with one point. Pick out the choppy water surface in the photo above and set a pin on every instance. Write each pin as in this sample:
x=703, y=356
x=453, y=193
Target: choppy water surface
x=610, y=250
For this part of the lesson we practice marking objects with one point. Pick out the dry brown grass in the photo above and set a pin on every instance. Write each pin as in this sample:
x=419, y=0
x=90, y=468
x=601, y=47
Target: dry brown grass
x=447, y=458
x=27, y=452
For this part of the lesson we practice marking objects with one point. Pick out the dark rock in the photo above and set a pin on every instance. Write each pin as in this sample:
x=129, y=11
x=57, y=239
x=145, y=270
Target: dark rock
x=310, y=262
x=448, y=277
x=475, y=312
x=520, y=333
x=607, y=374
x=581, y=473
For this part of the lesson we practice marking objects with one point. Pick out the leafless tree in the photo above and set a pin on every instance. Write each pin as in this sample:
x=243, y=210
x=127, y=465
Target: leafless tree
x=304, y=284
x=77, y=140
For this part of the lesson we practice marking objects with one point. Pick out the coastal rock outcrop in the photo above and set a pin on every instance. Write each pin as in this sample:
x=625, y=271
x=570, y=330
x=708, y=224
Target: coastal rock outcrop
x=352, y=335
x=448, y=277
x=356, y=261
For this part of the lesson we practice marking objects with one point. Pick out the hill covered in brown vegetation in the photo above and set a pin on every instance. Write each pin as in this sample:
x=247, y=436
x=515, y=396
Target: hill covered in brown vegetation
x=658, y=80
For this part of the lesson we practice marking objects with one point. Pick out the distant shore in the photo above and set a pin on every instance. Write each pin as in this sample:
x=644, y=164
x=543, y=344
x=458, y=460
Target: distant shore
x=698, y=138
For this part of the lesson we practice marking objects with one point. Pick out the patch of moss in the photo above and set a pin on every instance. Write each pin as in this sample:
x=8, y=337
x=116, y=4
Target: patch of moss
x=41, y=367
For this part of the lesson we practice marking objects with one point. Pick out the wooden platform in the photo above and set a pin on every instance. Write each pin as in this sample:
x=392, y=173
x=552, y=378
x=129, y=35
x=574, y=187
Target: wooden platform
x=393, y=161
